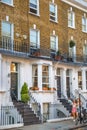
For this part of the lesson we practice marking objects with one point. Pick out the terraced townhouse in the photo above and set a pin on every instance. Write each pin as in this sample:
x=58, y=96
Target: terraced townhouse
x=42, y=43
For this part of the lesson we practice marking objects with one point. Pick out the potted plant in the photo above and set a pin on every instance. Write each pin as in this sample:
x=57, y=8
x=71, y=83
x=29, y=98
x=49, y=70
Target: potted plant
x=24, y=93
x=37, y=53
x=58, y=55
x=71, y=43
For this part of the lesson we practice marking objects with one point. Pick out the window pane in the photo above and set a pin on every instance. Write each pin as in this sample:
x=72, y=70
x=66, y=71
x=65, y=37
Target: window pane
x=58, y=71
x=33, y=1
x=34, y=70
x=6, y=29
x=45, y=76
x=35, y=75
x=52, y=9
x=33, y=6
x=33, y=37
x=84, y=24
x=53, y=42
x=71, y=19
x=80, y=79
x=7, y=1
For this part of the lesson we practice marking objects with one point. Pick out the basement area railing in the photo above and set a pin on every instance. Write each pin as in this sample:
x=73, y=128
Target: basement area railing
x=9, y=116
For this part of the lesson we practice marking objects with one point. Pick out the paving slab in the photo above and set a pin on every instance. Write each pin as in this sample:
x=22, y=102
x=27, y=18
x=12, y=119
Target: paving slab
x=60, y=125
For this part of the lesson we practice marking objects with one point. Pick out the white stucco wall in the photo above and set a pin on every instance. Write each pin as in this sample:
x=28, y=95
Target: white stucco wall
x=25, y=75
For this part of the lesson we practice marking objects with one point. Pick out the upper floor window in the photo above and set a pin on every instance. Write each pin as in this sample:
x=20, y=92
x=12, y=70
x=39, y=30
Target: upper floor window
x=10, y=2
x=7, y=35
x=84, y=24
x=54, y=43
x=34, y=6
x=53, y=12
x=7, y=29
x=71, y=19
x=34, y=38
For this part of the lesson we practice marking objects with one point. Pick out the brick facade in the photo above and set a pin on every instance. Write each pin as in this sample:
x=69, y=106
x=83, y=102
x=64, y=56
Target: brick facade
x=23, y=20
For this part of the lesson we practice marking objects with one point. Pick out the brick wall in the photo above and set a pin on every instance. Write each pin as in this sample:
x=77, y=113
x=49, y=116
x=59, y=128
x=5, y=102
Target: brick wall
x=23, y=20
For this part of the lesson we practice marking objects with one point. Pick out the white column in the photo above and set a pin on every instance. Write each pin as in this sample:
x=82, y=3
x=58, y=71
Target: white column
x=51, y=77
x=64, y=83
x=40, y=76
x=83, y=80
x=21, y=78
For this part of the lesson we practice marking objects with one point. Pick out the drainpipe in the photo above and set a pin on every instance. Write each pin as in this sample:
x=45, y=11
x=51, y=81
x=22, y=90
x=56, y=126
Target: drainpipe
x=0, y=71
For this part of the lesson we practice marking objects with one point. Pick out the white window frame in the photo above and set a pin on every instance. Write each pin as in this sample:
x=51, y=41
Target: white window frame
x=84, y=24
x=37, y=38
x=11, y=37
x=71, y=21
x=55, y=13
x=35, y=9
x=11, y=3
x=56, y=42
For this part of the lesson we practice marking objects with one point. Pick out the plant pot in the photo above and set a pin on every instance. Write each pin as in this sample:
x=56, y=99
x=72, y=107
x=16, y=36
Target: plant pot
x=58, y=57
x=36, y=54
x=45, y=88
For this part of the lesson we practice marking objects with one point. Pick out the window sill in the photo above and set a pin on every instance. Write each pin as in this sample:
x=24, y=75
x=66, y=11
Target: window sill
x=42, y=91
x=53, y=21
x=2, y=91
x=7, y=4
x=84, y=31
x=34, y=14
x=71, y=27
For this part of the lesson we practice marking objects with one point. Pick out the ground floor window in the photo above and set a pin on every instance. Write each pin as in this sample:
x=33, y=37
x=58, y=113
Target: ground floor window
x=46, y=110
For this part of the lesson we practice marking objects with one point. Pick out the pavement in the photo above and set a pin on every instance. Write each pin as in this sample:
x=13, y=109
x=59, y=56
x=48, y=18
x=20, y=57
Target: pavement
x=68, y=124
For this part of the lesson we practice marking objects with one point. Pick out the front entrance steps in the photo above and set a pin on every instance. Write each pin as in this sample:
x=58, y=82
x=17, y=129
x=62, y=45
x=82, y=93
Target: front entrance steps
x=29, y=117
x=67, y=105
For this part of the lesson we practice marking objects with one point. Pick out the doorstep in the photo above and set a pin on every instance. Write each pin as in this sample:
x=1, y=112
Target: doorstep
x=60, y=119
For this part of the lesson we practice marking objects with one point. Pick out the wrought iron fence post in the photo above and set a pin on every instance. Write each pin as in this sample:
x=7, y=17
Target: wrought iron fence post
x=80, y=107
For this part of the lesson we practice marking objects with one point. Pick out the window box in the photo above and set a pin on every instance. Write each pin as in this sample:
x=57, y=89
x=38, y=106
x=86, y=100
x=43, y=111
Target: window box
x=34, y=88
x=52, y=89
x=45, y=88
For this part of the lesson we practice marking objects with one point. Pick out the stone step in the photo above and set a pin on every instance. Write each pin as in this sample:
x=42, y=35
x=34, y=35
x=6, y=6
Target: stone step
x=29, y=117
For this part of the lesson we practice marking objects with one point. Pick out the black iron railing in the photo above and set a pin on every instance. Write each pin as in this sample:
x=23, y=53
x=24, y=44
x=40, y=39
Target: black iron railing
x=9, y=115
x=8, y=46
x=35, y=105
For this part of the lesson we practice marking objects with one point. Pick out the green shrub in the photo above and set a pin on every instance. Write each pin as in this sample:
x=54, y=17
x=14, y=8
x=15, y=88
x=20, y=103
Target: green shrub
x=24, y=93
x=71, y=43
